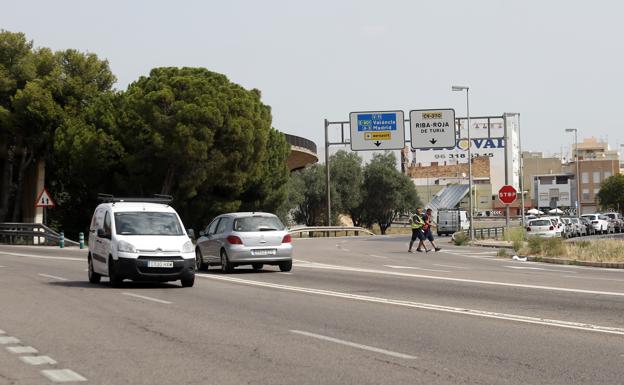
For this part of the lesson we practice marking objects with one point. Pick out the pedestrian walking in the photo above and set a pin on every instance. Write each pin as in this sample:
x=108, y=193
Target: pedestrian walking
x=427, y=228
x=417, y=223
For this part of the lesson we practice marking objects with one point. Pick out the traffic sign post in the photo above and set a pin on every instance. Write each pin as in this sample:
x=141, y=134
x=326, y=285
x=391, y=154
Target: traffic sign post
x=507, y=194
x=432, y=128
x=45, y=201
x=377, y=130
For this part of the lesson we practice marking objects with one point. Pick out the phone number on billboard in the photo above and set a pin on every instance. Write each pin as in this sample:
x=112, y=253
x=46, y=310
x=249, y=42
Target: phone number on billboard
x=462, y=156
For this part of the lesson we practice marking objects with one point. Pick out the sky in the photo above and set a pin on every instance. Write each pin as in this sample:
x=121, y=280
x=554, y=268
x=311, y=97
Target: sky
x=559, y=64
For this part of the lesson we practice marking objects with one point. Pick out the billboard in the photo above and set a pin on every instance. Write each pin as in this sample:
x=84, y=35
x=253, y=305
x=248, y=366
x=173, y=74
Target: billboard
x=487, y=138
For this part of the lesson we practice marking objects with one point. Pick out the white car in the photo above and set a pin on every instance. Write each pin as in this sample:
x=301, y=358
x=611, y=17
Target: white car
x=598, y=221
x=139, y=239
x=557, y=223
x=542, y=227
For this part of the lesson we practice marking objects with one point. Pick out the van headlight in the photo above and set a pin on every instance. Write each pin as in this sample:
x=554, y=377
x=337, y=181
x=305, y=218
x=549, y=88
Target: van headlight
x=126, y=247
x=188, y=247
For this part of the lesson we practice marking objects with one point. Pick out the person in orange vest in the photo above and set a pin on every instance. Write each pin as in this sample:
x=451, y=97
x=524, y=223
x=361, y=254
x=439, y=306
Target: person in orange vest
x=429, y=223
x=417, y=223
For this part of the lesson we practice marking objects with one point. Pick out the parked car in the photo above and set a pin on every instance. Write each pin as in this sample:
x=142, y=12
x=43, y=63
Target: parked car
x=589, y=227
x=139, y=239
x=557, y=223
x=599, y=222
x=569, y=229
x=611, y=224
x=617, y=220
x=581, y=229
x=542, y=227
x=236, y=239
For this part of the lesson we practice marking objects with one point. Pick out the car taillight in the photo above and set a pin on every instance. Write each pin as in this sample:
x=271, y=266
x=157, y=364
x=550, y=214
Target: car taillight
x=551, y=228
x=528, y=229
x=234, y=240
x=287, y=238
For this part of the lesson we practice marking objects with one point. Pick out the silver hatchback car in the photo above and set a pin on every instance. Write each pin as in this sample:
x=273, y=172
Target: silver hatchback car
x=235, y=239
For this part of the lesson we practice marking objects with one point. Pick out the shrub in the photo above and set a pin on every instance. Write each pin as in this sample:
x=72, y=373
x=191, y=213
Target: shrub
x=554, y=247
x=501, y=252
x=535, y=245
x=513, y=234
x=517, y=244
x=460, y=238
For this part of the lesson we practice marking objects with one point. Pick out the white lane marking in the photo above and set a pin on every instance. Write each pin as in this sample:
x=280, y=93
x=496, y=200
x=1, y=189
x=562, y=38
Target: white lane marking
x=62, y=375
x=147, y=298
x=38, y=360
x=2, y=266
x=377, y=256
x=451, y=266
x=592, y=278
x=52, y=276
x=462, y=280
x=9, y=340
x=425, y=306
x=2, y=331
x=22, y=350
x=538, y=268
x=415, y=268
x=343, y=249
x=42, y=256
x=285, y=273
x=355, y=345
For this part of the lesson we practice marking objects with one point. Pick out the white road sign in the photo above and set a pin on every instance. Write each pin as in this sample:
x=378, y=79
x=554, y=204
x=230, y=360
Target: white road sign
x=377, y=130
x=433, y=128
x=45, y=200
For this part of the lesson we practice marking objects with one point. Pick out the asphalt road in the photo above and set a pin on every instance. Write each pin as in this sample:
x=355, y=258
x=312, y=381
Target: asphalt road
x=352, y=311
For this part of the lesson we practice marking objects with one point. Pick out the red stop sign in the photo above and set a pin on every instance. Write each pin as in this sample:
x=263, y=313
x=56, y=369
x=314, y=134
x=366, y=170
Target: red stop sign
x=507, y=194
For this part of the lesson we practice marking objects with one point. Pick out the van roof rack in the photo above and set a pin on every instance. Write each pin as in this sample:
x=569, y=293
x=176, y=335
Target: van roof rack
x=156, y=198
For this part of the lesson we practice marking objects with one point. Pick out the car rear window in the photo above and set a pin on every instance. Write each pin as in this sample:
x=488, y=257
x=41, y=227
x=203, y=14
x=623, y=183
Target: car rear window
x=258, y=223
x=590, y=217
x=540, y=222
x=147, y=223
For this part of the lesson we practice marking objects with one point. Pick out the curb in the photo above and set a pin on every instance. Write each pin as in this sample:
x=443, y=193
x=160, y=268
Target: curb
x=492, y=246
x=560, y=261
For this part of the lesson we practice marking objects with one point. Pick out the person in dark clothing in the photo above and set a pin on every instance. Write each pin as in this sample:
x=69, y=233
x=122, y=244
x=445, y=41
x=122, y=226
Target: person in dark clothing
x=427, y=229
x=417, y=223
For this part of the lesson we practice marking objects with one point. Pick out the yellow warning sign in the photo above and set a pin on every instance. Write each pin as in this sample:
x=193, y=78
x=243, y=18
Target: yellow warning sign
x=379, y=135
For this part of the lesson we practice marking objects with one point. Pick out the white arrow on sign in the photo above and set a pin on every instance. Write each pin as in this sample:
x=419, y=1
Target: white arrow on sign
x=433, y=128
x=45, y=199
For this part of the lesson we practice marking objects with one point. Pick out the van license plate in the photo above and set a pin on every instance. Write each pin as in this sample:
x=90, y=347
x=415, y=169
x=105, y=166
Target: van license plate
x=159, y=263
x=264, y=252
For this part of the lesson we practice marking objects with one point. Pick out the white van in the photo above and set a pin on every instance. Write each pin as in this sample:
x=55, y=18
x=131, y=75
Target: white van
x=452, y=221
x=139, y=239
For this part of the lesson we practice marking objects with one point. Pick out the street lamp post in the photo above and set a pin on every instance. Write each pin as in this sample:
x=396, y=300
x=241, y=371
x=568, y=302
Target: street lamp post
x=467, y=89
x=578, y=174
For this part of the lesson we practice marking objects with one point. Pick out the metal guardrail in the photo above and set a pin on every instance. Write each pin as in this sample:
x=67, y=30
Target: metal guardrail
x=488, y=232
x=298, y=141
x=326, y=231
x=25, y=233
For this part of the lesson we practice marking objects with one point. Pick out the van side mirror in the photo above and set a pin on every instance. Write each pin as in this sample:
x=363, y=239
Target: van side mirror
x=102, y=234
x=202, y=233
x=190, y=233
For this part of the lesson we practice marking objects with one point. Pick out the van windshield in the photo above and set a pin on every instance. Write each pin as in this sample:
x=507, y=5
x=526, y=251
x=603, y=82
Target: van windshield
x=258, y=223
x=147, y=223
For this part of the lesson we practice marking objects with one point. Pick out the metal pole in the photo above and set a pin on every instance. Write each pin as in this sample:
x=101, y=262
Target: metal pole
x=327, y=185
x=469, y=166
x=521, y=173
x=578, y=176
x=506, y=139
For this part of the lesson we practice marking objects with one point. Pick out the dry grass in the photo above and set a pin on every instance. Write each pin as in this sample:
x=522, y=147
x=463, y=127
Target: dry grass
x=601, y=250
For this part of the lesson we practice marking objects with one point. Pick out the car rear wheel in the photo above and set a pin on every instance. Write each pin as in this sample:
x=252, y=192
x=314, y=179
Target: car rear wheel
x=285, y=266
x=199, y=261
x=113, y=275
x=257, y=266
x=93, y=276
x=226, y=265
